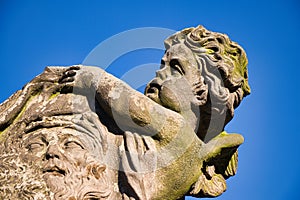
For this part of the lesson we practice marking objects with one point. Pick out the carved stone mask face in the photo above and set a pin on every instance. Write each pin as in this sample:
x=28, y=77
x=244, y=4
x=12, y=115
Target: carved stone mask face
x=66, y=163
x=173, y=85
x=57, y=148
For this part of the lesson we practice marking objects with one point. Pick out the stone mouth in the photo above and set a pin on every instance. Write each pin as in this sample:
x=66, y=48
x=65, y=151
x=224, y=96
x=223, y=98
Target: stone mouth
x=153, y=88
x=152, y=91
x=54, y=170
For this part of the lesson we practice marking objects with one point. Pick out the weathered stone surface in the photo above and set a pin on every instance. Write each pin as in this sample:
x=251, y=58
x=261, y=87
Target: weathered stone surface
x=80, y=133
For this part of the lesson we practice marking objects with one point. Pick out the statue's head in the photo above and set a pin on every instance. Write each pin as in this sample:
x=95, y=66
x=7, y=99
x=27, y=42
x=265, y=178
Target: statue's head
x=205, y=72
x=69, y=156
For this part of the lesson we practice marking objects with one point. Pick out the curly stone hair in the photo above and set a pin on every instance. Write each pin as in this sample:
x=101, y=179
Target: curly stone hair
x=223, y=83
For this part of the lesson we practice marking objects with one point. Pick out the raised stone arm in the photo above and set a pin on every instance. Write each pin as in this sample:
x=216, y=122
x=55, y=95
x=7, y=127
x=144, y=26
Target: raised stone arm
x=130, y=109
x=154, y=136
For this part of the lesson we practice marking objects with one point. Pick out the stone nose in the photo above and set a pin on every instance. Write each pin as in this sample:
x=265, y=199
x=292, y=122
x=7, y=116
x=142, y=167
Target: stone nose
x=162, y=73
x=52, y=152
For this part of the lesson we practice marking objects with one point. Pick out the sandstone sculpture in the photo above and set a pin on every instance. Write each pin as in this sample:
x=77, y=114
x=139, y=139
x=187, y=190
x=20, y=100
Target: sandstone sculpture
x=80, y=133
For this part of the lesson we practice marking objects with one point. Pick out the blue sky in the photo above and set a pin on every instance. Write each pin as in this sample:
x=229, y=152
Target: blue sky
x=36, y=34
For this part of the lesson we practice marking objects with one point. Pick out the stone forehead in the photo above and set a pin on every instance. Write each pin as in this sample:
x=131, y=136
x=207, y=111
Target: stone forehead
x=57, y=134
x=180, y=50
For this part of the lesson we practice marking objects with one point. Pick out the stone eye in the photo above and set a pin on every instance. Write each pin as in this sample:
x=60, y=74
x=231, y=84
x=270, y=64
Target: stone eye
x=73, y=145
x=35, y=146
x=176, y=67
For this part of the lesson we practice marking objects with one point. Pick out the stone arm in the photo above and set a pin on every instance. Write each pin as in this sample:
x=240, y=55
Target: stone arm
x=130, y=109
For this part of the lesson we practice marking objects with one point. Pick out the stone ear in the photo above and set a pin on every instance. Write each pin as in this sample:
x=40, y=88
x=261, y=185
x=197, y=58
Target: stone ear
x=200, y=91
x=220, y=162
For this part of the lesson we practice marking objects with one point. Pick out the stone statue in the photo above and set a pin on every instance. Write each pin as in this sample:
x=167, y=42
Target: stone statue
x=80, y=133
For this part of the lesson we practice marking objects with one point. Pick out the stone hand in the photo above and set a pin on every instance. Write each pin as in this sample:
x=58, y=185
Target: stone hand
x=139, y=162
x=69, y=74
x=140, y=154
x=82, y=79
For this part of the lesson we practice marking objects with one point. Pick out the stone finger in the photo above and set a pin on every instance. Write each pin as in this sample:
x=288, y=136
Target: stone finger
x=139, y=144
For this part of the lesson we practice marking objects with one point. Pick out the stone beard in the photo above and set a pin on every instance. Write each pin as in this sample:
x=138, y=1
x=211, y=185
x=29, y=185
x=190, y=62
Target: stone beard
x=79, y=133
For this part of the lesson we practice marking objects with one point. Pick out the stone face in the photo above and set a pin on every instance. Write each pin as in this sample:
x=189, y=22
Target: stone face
x=80, y=133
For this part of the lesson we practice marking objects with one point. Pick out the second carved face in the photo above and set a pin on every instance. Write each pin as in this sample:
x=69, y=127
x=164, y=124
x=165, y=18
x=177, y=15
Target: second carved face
x=174, y=82
x=66, y=164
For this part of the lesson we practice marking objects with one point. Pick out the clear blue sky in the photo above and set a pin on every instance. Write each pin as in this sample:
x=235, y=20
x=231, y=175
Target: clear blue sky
x=35, y=34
